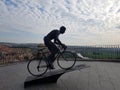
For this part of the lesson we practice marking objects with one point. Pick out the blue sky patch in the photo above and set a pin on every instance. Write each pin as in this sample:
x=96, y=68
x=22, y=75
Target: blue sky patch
x=10, y=3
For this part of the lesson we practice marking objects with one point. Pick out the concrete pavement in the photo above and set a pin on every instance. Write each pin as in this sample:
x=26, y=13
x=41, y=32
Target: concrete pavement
x=99, y=76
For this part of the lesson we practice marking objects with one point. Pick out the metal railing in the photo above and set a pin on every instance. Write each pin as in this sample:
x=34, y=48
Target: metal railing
x=98, y=51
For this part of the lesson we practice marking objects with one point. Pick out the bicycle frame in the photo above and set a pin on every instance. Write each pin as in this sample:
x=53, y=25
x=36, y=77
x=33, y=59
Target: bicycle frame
x=58, y=54
x=61, y=50
x=41, y=57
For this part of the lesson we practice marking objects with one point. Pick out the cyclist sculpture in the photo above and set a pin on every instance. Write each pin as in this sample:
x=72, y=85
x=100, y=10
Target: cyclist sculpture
x=53, y=35
x=66, y=59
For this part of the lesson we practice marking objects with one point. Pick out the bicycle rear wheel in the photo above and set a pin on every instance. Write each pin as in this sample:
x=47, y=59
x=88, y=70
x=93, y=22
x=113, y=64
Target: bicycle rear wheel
x=66, y=60
x=37, y=67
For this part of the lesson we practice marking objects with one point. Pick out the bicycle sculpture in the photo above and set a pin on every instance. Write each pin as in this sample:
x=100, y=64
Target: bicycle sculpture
x=38, y=66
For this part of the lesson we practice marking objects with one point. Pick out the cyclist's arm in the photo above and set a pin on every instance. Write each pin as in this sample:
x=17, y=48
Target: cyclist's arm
x=57, y=41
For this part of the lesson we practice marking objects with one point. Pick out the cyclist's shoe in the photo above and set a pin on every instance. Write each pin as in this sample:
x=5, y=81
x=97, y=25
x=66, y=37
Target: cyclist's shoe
x=51, y=66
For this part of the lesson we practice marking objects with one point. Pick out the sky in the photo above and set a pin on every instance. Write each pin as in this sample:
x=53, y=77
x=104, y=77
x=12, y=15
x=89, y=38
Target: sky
x=87, y=22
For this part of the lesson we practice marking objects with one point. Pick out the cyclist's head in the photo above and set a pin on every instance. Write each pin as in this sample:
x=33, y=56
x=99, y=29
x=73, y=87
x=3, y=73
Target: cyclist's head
x=62, y=29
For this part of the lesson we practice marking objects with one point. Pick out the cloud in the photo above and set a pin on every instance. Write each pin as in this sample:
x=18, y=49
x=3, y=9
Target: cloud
x=87, y=21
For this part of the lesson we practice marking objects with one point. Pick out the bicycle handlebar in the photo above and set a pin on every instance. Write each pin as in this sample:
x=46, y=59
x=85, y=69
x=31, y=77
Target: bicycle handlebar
x=62, y=47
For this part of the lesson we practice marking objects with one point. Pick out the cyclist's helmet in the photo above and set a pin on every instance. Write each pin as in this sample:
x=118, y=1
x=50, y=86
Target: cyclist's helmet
x=62, y=29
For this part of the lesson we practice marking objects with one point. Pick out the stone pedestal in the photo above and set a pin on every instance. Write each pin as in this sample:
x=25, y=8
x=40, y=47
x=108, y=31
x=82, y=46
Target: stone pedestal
x=51, y=76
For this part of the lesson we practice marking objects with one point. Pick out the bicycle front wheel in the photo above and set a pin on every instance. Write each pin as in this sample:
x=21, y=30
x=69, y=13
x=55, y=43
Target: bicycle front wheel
x=37, y=67
x=66, y=60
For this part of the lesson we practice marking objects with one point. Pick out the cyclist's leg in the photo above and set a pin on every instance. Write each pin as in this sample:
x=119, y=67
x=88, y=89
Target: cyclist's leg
x=48, y=45
x=53, y=49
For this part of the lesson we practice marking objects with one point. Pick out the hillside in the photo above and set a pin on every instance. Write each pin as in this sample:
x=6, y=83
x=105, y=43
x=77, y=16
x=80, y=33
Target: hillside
x=10, y=54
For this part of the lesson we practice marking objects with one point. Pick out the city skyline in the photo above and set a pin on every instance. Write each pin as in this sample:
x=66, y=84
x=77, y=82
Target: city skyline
x=88, y=22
